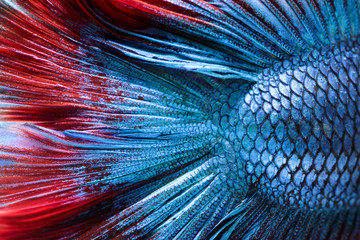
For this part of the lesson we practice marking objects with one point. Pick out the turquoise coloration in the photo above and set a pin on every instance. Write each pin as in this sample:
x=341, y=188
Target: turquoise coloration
x=298, y=130
x=186, y=119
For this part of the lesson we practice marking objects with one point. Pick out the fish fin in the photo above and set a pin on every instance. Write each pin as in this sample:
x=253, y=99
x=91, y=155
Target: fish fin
x=95, y=126
x=52, y=186
x=89, y=134
x=256, y=217
x=230, y=40
x=186, y=208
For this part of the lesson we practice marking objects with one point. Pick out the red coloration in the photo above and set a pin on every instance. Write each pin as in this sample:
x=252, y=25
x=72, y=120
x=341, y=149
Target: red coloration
x=139, y=14
x=47, y=190
x=34, y=215
x=53, y=117
x=54, y=186
x=50, y=188
x=44, y=75
x=119, y=13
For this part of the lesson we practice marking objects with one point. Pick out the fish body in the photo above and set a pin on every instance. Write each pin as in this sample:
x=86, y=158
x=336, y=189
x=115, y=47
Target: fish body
x=297, y=129
x=190, y=119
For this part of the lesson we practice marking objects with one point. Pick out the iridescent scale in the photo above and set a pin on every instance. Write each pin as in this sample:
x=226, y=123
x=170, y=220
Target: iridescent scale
x=180, y=119
x=299, y=129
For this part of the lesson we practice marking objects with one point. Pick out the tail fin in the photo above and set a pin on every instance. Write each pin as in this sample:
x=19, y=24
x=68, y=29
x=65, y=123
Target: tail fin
x=112, y=114
x=91, y=139
x=258, y=218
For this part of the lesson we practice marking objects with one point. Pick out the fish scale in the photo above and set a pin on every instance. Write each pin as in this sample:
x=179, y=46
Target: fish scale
x=185, y=119
x=291, y=124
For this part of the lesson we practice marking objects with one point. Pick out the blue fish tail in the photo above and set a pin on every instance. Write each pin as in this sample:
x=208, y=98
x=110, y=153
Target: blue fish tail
x=180, y=120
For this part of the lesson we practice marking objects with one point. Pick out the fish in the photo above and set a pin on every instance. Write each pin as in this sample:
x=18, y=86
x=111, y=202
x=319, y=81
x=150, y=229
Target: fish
x=180, y=119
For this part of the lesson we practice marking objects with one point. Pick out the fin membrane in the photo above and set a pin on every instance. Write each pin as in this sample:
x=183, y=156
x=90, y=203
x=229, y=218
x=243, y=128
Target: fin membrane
x=258, y=218
x=90, y=136
x=106, y=115
x=226, y=39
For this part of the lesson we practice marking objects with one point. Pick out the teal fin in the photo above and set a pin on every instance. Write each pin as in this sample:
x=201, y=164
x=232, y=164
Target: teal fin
x=258, y=218
x=232, y=39
x=113, y=132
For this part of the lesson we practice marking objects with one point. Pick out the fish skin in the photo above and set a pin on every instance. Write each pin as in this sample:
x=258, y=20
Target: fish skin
x=180, y=119
x=296, y=144
x=297, y=130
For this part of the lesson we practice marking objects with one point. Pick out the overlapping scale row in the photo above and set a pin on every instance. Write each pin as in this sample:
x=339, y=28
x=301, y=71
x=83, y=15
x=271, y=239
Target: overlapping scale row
x=299, y=130
x=138, y=118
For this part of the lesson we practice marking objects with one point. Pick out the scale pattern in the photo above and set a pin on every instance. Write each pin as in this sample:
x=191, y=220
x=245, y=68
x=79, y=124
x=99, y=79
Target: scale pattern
x=298, y=129
x=179, y=119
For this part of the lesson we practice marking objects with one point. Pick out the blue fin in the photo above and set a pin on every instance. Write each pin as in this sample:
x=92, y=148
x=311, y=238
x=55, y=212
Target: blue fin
x=258, y=218
x=173, y=211
x=92, y=139
x=231, y=39
x=116, y=132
